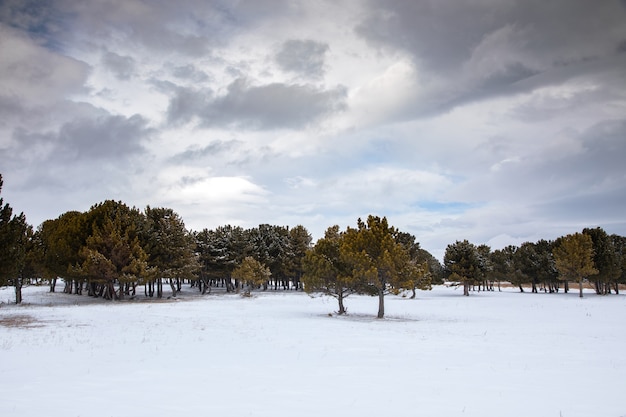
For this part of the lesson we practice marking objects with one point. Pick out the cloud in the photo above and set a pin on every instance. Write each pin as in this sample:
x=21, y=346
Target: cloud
x=488, y=47
x=197, y=153
x=122, y=67
x=81, y=149
x=189, y=72
x=33, y=73
x=305, y=57
x=246, y=106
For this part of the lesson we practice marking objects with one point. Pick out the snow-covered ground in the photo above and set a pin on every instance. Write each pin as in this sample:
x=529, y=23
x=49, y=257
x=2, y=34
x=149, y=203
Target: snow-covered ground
x=282, y=354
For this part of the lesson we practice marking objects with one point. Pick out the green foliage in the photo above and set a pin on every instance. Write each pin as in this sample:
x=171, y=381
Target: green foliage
x=376, y=260
x=220, y=251
x=252, y=272
x=573, y=256
x=170, y=247
x=59, y=242
x=15, y=235
x=324, y=270
x=605, y=258
x=462, y=263
x=112, y=253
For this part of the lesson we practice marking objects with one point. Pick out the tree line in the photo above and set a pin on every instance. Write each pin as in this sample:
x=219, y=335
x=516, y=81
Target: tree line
x=112, y=249
x=591, y=255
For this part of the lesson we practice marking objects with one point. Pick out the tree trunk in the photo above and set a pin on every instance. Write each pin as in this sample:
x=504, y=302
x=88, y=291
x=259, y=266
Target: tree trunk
x=173, y=287
x=342, y=309
x=53, y=284
x=159, y=287
x=466, y=286
x=381, y=304
x=566, y=286
x=580, y=286
x=18, y=290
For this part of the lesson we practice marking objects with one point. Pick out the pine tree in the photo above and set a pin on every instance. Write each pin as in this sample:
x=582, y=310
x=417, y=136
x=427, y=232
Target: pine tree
x=573, y=256
x=326, y=272
x=170, y=247
x=252, y=272
x=605, y=259
x=14, y=236
x=299, y=243
x=461, y=262
x=376, y=259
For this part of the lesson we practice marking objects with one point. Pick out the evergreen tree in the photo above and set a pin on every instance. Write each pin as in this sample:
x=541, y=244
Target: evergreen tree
x=605, y=258
x=170, y=247
x=418, y=274
x=504, y=265
x=462, y=264
x=300, y=243
x=58, y=244
x=375, y=258
x=270, y=246
x=113, y=255
x=326, y=272
x=573, y=256
x=619, y=243
x=14, y=236
x=220, y=251
x=485, y=267
x=252, y=272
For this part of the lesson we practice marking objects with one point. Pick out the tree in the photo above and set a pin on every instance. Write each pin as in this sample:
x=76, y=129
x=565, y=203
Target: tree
x=113, y=254
x=220, y=251
x=485, y=267
x=14, y=236
x=170, y=248
x=326, y=272
x=461, y=262
x=573, y=256
x=58, y=244
x=605, y=259
x=506, y=267
x=270, y=245
x=528, y=263
x=418, y=275
x=252, y=272
x=547, y=269
x=619, y=242
x=300, y=243
x=375, y=258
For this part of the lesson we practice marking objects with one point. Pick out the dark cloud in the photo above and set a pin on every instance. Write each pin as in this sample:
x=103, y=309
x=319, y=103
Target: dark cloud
x=269, y=106
x=186, y=104
x=305, y=57
x=90, y=140
x=190, y=73
x=122, y=67
x=187, y=27
x=197, y=153
x=491, y=47
x=272, y=106
x=444, y=34
x=42, y=19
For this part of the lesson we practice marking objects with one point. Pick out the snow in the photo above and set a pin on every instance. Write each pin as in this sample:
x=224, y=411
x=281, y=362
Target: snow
x=282, y=354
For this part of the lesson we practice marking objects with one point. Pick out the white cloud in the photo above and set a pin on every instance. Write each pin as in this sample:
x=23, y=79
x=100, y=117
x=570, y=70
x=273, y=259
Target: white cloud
x=35, y=75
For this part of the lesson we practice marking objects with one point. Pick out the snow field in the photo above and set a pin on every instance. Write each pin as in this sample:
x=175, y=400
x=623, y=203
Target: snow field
x=281, y=354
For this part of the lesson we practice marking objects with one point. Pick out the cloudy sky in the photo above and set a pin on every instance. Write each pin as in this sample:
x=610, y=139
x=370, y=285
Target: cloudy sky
x=497, y=121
